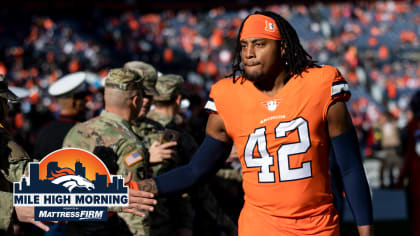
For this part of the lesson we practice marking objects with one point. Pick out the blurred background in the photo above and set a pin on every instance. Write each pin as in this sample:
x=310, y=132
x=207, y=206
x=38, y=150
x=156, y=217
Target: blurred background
x=375, y=44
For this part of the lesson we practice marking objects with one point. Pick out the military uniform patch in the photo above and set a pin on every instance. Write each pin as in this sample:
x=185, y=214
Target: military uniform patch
x=132, y=158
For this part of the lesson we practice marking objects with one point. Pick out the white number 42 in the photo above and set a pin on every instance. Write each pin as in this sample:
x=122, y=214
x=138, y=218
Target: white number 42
x=284, y=152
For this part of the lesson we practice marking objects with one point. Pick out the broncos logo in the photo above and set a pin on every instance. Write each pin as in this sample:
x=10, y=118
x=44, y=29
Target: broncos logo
x=68, y=179
x=271, y=105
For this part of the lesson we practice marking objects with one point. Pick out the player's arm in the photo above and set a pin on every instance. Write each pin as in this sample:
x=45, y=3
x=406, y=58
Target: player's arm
x=347, y=152
x=216, y=129
x=208, y=158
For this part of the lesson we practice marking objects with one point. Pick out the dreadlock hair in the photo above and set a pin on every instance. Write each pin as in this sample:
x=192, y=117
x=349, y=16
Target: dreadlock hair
x=297, y=59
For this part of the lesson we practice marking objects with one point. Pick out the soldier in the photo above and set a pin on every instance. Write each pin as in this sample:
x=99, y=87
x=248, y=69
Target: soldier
x=274, y=67
x=150, y=77
x=142, y=126
x=208, y=213
x=13, y=162
x=123, y=100
x=70, y=92
x=148, y=131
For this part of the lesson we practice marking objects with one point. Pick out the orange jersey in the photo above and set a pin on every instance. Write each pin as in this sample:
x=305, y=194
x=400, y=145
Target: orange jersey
x=282, y=141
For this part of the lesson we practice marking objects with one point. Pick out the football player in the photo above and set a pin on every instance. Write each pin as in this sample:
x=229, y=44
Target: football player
x=284, y=114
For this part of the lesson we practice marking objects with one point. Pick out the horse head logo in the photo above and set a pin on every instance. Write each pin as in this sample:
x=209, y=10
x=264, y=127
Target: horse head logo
x=68, y=179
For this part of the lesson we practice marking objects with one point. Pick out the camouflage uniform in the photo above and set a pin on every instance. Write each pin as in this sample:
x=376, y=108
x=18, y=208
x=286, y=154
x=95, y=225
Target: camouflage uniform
x=163, y=222
x=13, y=162
x=230, y=174
x=11, y=170
x=147, y=130
x=207, y=209
x=176, y=211
x=113, y=131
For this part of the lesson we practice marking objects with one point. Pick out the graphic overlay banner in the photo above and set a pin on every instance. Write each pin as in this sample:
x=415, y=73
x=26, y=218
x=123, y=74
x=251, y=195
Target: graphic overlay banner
x=70, y=184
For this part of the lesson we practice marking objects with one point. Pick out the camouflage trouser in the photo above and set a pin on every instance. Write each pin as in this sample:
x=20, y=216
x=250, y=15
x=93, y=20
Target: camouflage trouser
x=136, y=224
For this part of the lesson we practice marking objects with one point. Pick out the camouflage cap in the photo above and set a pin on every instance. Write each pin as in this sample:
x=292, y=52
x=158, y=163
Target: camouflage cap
x=124, y=79
x=168, y=86
x=5, y=91
x=149, y=73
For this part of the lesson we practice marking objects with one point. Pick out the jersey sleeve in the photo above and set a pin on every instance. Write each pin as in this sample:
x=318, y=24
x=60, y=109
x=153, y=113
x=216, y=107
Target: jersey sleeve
x=210, y=106
x=217, y=92
x=336, y=86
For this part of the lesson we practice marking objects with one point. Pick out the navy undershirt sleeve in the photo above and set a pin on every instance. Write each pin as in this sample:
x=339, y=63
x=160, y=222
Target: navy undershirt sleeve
x=206, y=161
x=337, y=185
x=348, y=158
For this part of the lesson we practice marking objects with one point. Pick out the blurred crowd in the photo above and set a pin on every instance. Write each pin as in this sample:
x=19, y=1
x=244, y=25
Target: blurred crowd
x=374, y=44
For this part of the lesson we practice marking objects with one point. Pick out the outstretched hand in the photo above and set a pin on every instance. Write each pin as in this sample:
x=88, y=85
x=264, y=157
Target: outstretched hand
x=138, y=200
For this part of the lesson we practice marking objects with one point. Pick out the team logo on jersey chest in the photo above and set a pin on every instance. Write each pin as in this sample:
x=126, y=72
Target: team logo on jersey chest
x=272, y=104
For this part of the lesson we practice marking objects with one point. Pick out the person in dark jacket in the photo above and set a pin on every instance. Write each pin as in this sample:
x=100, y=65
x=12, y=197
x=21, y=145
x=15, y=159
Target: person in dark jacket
x=70, y=92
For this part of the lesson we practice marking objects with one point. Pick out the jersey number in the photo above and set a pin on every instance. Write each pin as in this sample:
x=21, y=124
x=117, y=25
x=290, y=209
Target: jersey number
x=264, y=161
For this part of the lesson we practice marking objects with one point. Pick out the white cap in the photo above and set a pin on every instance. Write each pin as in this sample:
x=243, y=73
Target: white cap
x=67, y=84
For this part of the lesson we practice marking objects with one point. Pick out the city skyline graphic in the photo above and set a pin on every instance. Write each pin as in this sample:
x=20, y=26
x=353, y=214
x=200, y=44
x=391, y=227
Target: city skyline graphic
x=52, y=175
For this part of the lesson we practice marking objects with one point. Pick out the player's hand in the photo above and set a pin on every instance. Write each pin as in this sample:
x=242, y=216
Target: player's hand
x=138, y=200
x=159, y=152
x=26, y=214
